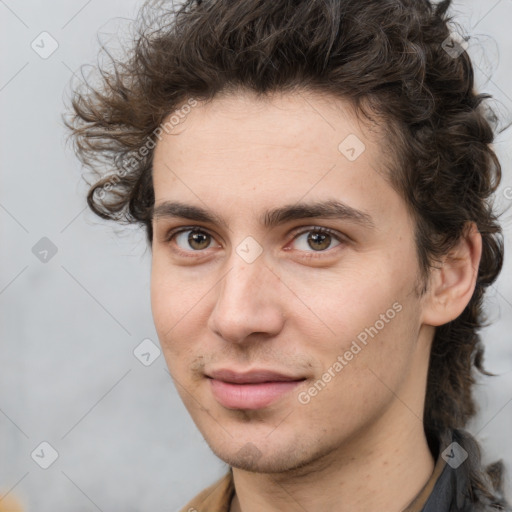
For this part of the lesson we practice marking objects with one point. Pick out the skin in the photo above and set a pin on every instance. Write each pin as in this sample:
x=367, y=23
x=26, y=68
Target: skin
x=358, y=444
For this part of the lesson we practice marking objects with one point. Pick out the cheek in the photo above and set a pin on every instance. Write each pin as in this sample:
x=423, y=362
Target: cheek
x=162, y=303
x=344, y=303
x=170, y=303
x=174, y=293
x=178, y=304
x=367, y=316
x=359, y=379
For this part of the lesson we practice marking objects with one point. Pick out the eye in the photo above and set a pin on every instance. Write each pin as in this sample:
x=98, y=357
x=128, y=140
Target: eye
x=318, y=239
x=191, y=239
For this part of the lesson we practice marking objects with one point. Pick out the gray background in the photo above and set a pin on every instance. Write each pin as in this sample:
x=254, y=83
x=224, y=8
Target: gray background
x=69, y=325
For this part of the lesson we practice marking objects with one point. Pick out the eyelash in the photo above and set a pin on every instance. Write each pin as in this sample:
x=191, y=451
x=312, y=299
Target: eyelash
x=309, y=254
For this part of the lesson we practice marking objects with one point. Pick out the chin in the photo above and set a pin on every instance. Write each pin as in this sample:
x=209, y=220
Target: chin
x=251, y=459
x=263, y=456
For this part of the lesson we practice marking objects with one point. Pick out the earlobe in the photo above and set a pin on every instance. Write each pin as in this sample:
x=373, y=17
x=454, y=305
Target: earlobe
x=452, y=284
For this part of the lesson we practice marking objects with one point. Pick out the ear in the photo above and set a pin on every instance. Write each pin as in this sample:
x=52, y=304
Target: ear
x=452, y=284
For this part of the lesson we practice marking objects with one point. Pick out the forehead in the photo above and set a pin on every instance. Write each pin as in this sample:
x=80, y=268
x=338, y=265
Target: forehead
x=285, y=119
x=242, y=151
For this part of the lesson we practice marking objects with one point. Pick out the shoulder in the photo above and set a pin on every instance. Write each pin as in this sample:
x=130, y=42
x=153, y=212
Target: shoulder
x=215, y=498
x=474, y=487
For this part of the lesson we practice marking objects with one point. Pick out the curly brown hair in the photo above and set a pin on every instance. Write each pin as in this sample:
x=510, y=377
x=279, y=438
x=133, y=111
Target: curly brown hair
x=390, y=59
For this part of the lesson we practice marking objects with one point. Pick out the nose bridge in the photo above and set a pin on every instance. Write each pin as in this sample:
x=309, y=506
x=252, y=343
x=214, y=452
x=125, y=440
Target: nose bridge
x=247, y=300
x=248, y=272
x=244, y=286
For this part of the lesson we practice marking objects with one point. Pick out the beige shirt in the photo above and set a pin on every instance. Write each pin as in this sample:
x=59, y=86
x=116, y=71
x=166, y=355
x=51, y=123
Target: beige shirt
x=217, y=497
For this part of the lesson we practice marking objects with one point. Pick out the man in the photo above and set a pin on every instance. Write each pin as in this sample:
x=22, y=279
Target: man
x=313, y=179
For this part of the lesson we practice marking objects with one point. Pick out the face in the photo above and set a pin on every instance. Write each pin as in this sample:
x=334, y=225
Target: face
x=283, y=280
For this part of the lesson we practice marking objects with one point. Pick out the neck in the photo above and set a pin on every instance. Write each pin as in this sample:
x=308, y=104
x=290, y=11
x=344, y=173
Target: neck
x=377, y=469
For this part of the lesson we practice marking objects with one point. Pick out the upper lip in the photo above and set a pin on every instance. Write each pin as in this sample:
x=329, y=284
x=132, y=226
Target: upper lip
x=250, y=377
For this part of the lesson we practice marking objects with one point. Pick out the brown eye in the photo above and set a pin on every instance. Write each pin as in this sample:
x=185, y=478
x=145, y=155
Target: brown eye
x=192, y=239
x=318, y=240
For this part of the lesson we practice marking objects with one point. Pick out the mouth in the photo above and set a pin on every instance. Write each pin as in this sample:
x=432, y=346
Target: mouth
x=252, y=390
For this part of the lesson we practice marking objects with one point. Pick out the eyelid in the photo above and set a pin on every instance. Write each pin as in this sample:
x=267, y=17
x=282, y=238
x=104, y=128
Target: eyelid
x=321, y=229
x=176, y=231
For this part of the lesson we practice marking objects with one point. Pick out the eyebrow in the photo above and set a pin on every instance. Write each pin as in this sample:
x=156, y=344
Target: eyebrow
x=331, y=209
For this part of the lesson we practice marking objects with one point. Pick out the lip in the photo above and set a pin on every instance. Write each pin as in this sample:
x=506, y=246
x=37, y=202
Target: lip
x=256, y=376
x=251, y=390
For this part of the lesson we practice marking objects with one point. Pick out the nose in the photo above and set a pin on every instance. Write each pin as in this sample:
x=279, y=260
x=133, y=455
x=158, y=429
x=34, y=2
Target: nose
x=247, y=302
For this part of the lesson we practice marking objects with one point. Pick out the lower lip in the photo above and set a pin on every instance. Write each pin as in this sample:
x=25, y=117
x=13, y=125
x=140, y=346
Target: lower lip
x=250, y=396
